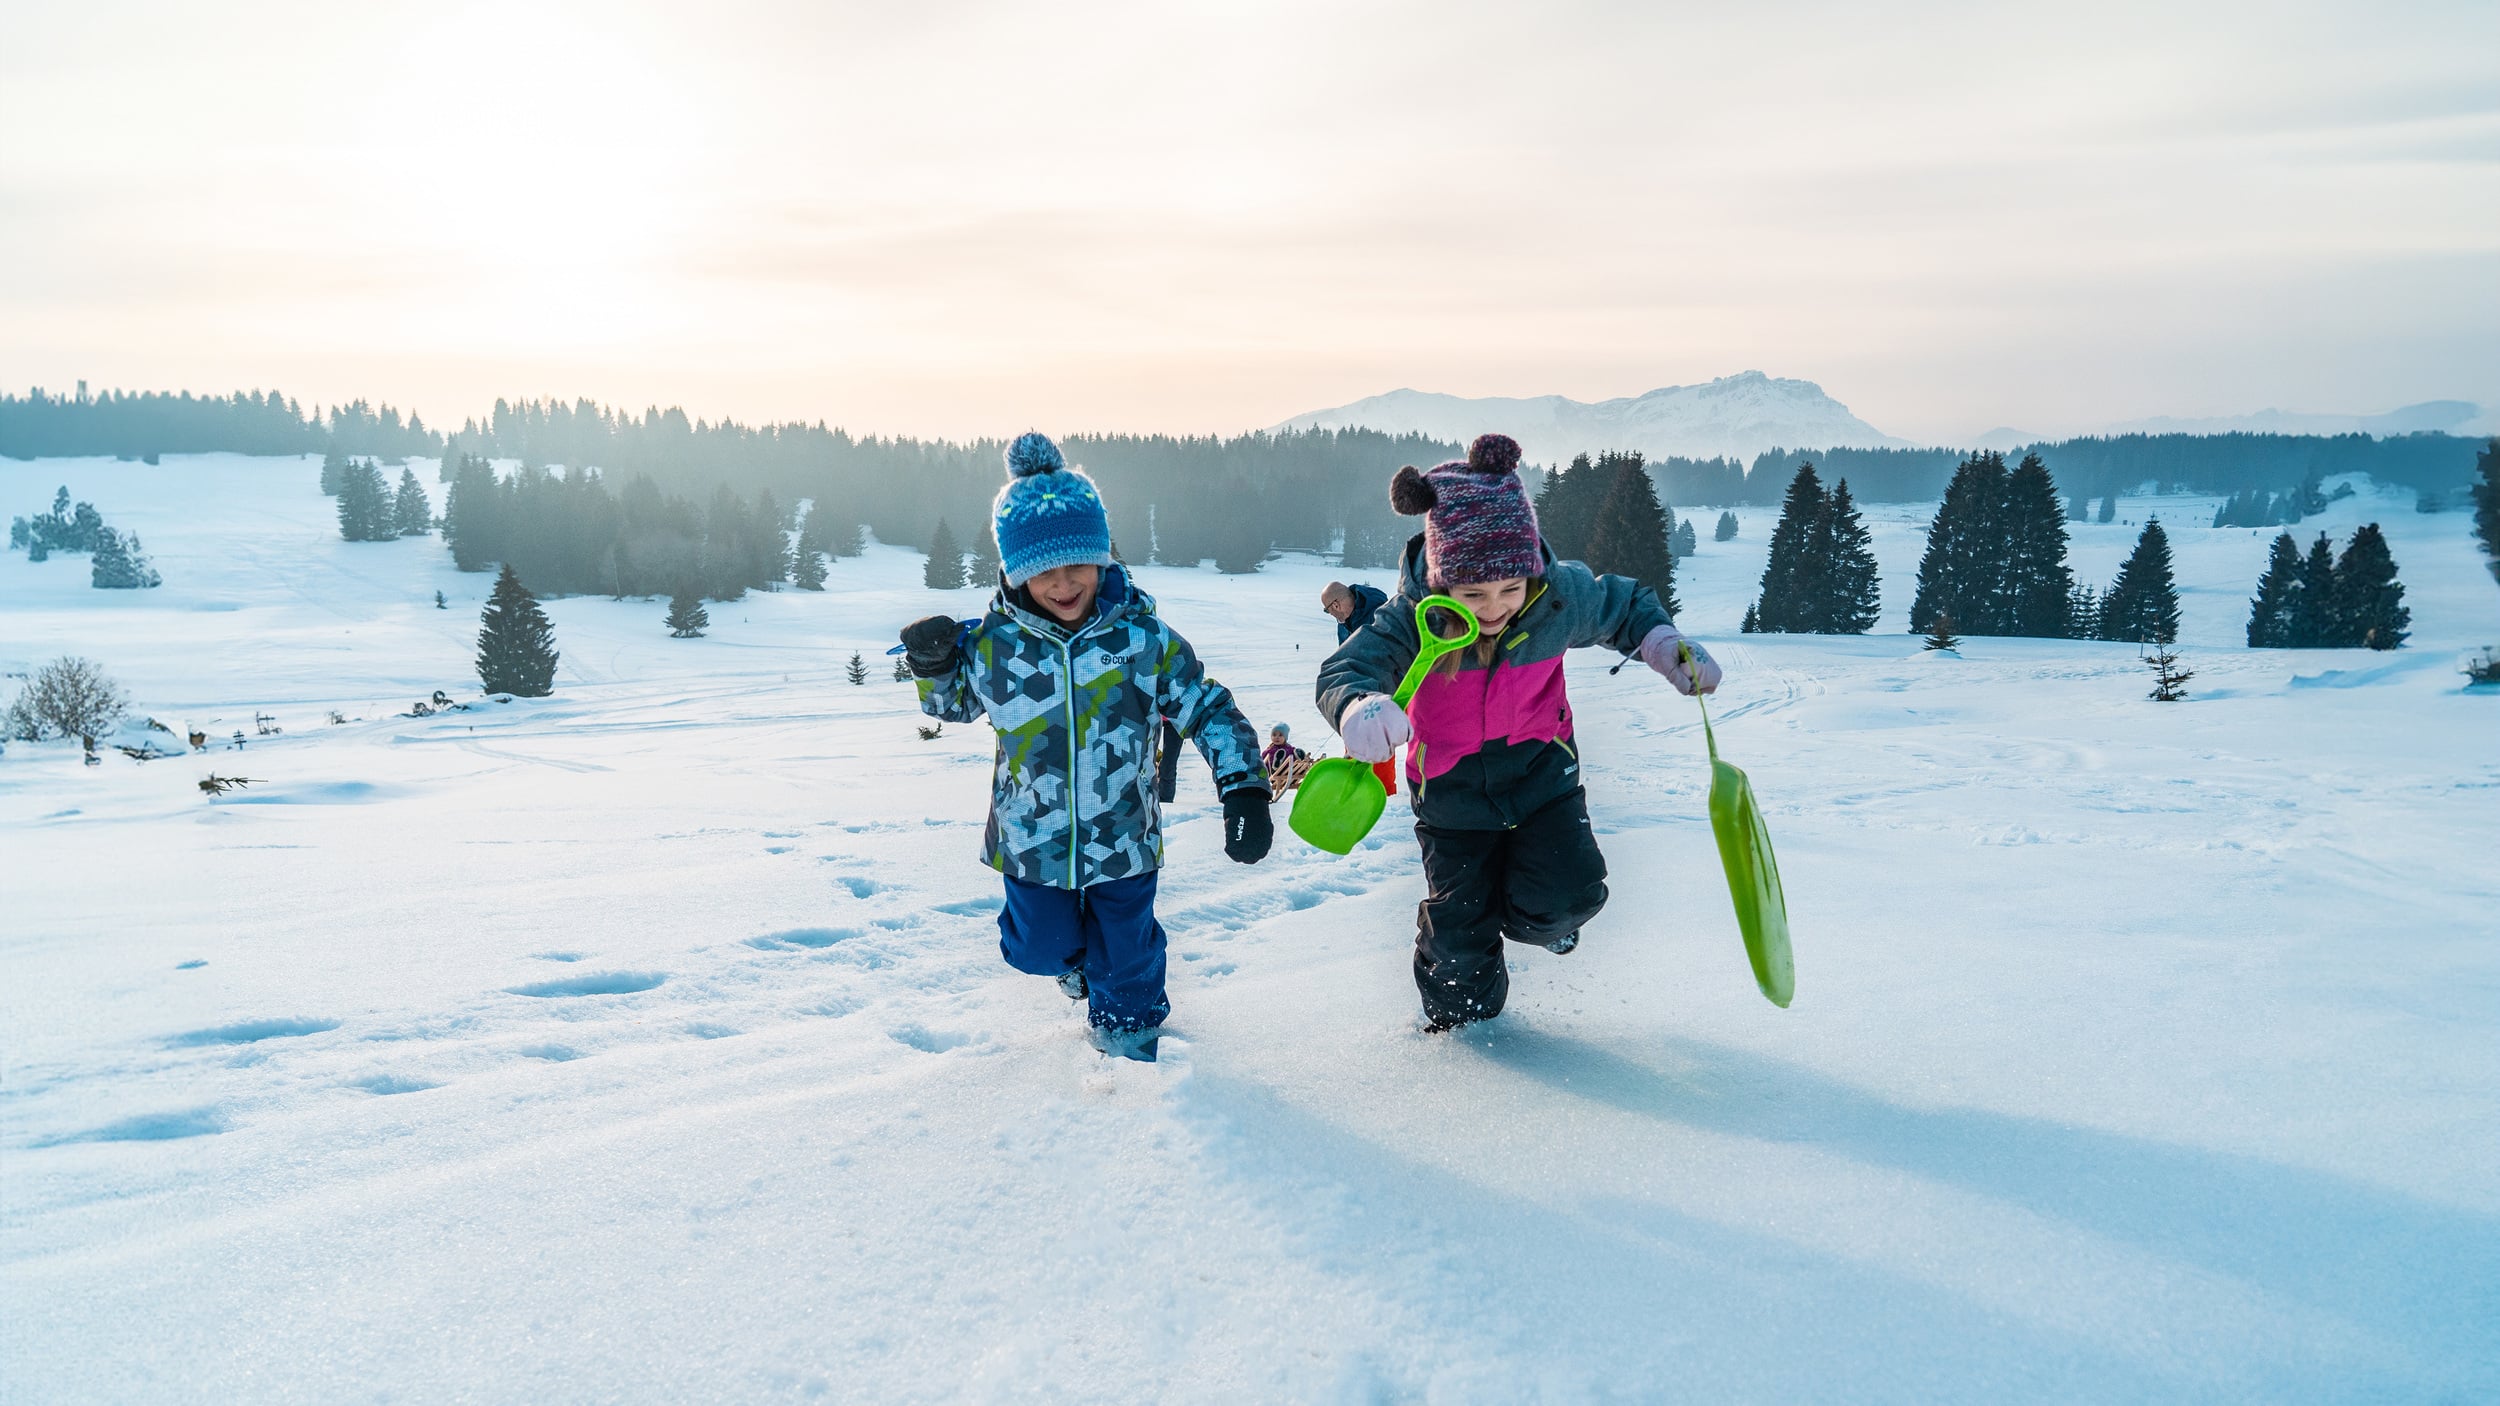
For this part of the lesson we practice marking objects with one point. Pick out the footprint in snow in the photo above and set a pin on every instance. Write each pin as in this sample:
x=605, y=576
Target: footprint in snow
x=149, y=1127
x=250, y=1032
x=801, y=937
x=592, y=984
x=920, y=1037
x=391, y=1084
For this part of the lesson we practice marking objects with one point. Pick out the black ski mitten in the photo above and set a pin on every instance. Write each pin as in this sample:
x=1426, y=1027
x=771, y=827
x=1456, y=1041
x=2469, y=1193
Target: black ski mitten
x=1247, y=829
x=929, y=645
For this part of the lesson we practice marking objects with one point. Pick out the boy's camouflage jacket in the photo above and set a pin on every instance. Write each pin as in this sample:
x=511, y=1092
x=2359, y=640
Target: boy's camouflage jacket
x=1073, y=802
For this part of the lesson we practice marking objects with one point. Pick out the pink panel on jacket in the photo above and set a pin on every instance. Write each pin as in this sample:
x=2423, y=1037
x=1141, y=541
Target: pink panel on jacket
x=1456, y=714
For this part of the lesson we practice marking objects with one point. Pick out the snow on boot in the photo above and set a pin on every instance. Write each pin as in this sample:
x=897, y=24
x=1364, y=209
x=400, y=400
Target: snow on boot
x=1564, y=943
x=1125, y=1044
x=1072, y=983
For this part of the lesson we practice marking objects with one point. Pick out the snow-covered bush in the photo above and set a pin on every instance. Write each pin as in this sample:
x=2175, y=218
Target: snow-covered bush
x=69, y=697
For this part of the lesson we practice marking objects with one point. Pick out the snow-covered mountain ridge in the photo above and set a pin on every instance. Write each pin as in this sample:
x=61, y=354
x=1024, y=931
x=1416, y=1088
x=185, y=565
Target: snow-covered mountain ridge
x=1737, y=416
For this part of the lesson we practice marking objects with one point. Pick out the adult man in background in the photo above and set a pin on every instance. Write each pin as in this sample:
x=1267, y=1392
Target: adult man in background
x=1351, y=606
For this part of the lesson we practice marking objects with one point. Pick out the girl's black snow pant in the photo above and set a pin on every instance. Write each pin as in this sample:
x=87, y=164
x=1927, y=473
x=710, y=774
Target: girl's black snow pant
x=1536, y=882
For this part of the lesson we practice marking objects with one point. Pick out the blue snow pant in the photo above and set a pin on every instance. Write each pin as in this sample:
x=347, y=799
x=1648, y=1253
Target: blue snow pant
x=1109, y=930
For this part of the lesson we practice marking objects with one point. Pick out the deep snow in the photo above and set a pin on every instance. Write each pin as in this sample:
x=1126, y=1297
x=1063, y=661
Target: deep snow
x=649, y=1042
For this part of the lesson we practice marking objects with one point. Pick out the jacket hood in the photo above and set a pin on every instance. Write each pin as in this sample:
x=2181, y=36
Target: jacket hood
x=1118, y=598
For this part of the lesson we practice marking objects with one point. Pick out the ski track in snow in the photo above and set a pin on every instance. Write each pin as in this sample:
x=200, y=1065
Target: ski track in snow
x=650, y=1042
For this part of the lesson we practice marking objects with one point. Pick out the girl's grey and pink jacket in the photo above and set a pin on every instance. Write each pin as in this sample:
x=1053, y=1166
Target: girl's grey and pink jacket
x=1493, y=740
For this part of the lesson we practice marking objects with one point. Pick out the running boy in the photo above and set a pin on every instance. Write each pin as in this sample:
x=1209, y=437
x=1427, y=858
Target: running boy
x=1495, y=775
x=1074, y=668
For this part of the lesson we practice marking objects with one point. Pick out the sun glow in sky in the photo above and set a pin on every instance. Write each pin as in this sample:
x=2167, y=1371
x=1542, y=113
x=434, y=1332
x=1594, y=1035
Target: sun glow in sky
x=962, y=219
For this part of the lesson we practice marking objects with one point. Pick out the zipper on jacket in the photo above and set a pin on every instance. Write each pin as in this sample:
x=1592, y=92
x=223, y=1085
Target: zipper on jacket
x=1067, y=680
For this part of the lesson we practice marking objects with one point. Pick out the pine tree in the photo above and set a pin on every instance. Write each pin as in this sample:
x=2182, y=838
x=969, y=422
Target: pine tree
x=333, y=473
x=364, y=504
x=2142, y=605
x=807, y=572
x=768, y=544
x=2270, y=612
x=2076, y=509
x=945, y=568
x=2369, y=601
x=1727, y=528
x=1631, y=532
x=2083, y=613
x=902, y=669
x=2109, y=509
x=1572, y=502
x=1940, y=634
x=983, y=569
x=2169, y=680
x=474, y=516
x=727, y=542
x=111, y=568
x=1962, y=569
x=2487, y=504
x=2311, y=615
x=857, y=669
x=516, y=646
x=1853, y=590
x=412, y=513
x=1681, y=542
x=2037, y=581
x=1794, y=577
x=687, y=619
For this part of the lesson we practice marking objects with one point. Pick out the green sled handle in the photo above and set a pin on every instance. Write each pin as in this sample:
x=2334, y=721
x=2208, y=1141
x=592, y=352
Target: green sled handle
x=1340, y=799
x=1753, y=873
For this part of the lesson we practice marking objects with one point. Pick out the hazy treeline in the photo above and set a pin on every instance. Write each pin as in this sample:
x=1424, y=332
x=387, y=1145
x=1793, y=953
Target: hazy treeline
x=2094, y=466
x=145, y=424
x=1172, y=499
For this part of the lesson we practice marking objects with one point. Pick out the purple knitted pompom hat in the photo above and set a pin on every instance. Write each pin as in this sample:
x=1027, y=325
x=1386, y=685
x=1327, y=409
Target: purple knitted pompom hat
x=1478, y=523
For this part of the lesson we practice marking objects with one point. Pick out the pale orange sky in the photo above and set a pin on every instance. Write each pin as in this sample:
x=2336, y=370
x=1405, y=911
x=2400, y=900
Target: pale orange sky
x=964, y=219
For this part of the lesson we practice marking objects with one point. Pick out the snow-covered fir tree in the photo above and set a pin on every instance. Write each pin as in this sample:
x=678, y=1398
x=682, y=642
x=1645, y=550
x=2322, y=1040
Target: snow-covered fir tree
x=2142, y=605
x=412, y=513
x=2270, y=611
x=2310, y=619
x=945, y=568
x=119, y=564
x=2487, y=505
x=516, y=646
x=982, y=569
x=1630, y=536
x=1682, y=542
x=857, y=670
x=687, y=618
x=365, y=507
x=2369, y=609
x=2036, y=580
x=1726, y=531
x=2169, y=678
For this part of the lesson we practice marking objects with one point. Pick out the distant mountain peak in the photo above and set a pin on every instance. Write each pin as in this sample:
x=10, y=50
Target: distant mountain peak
x=1735, y=416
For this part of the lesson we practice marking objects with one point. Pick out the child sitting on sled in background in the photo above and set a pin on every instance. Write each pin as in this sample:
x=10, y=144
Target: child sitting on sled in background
x=1074, y=668
x=1285, y=762
x=1494, y=772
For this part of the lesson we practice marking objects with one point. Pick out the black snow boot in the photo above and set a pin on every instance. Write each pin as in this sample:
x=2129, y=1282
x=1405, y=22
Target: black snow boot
x=1072, y=983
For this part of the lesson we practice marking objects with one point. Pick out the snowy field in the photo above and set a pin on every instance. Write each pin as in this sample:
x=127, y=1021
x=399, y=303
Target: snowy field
x=649, y=1043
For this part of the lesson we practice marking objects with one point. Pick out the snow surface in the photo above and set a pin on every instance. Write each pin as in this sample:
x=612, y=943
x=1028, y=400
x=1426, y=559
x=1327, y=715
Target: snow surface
x=1736, y=416
x=649, y=1043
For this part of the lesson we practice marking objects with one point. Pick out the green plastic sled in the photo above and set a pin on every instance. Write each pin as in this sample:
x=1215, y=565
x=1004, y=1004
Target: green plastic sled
x=1753, y=872
x=1340, y=799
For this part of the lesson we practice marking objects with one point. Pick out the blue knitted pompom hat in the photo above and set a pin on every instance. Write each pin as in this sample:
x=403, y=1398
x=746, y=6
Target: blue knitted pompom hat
x=1048, y=515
